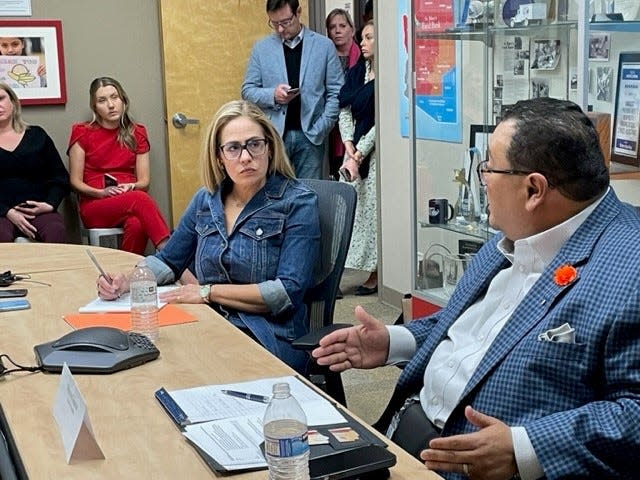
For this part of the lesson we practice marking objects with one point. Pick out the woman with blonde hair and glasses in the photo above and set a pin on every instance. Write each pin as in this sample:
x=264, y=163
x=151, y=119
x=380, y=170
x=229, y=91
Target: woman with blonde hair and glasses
x=252, y=232
x=110, y=169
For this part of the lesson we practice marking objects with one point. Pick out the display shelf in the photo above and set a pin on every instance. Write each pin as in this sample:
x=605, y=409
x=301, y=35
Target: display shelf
x=435, y=296
x=631, y=26
x=486, y=69
x=476, y=230
x=487, y=33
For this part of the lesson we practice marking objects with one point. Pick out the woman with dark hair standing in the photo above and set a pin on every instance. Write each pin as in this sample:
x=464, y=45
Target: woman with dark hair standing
x=109, y=166
x=357, y=127
x=33, y=180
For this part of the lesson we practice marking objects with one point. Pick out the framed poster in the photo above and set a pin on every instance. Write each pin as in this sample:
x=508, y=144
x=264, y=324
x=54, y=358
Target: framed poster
x=479, y=138
x=626, y=120
x=32, y=60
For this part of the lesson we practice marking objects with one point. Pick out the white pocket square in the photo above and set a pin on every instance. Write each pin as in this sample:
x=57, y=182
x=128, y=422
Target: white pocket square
x=565, y=333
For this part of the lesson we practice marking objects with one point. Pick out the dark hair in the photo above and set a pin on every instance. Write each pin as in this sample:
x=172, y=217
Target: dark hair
x=273, y=5
x=368, y=8
x=554, y=137
x=24, y=45
x=127, y=126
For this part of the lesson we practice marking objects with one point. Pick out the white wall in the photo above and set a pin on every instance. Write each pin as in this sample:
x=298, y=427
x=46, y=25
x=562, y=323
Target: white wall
x=99, y=41
x=394, y=167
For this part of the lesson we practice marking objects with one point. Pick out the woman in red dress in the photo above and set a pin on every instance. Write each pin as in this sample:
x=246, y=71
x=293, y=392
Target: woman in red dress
x=109, y=168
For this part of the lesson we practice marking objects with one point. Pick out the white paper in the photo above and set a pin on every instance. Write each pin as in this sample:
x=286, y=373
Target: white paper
x=515, y=68
x=232, y=442
x=15, y=8
x=70, y=413
x=122, y=304
x=202, y=404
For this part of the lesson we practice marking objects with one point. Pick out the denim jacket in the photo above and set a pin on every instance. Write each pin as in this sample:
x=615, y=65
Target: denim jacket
x=274, y=243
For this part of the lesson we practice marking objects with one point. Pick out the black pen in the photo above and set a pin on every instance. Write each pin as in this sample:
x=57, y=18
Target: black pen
x=247, y=396
x=102, y=272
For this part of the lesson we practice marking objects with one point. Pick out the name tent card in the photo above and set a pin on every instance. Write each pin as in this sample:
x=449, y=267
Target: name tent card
x=70, y=412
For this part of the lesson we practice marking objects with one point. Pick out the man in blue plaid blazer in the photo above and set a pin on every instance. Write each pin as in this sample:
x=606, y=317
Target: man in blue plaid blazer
x=533, y=367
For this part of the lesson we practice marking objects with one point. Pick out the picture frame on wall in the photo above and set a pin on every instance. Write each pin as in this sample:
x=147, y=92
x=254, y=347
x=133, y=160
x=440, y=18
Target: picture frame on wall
x=32, y=60
x=626, y=121
x=479, y=138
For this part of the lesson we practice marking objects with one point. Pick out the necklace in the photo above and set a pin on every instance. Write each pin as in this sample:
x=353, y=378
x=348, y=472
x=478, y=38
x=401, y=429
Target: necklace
x=235, y=202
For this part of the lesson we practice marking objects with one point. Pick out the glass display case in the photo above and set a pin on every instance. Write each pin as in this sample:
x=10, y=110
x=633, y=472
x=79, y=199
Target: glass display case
x=471, y=61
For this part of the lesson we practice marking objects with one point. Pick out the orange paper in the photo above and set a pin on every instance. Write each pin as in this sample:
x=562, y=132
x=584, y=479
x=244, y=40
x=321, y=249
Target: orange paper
x=167, y=315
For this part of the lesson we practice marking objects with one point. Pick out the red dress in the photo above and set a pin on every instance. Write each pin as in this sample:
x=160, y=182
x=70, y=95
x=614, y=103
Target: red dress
x=135, y=211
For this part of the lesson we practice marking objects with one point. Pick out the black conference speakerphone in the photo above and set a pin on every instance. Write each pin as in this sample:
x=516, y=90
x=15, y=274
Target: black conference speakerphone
x=96, y=350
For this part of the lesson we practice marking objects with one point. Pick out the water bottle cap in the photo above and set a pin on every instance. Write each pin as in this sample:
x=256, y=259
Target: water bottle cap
x=281, y=388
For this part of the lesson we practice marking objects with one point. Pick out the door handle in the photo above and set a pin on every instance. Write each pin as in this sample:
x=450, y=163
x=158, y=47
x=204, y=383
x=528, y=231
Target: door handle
x=180, y=120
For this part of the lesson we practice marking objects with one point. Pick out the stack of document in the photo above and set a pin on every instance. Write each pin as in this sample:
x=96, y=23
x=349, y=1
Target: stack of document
x=121, y=304
x=228, y=429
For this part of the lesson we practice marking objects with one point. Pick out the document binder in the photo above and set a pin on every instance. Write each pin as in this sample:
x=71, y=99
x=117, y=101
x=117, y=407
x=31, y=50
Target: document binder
x=343, y=457
x=172, y=408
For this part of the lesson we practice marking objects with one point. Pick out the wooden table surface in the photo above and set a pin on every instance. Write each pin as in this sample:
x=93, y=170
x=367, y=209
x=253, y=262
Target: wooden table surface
x=136, y=435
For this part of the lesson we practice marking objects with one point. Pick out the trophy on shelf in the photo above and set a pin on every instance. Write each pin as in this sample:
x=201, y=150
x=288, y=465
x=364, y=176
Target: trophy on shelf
x=481, y=210
x=465, y=209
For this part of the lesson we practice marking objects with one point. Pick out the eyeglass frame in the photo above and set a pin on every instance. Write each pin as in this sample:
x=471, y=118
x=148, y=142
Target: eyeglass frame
x=243, y=147
x=481, y=169
x=282, y=23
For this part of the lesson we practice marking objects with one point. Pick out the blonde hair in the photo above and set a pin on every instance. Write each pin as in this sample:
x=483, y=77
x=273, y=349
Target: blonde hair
x=213, y=172
x=338, y=12
x=17, y=123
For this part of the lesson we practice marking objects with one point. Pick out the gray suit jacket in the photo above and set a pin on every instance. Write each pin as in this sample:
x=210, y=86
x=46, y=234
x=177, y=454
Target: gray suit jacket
x=321, y=78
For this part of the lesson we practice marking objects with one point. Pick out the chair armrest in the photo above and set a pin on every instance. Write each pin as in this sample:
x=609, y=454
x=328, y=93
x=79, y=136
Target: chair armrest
x=312, y=339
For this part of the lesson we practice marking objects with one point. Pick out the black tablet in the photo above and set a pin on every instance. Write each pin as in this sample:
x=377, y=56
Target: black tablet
x=371, y=459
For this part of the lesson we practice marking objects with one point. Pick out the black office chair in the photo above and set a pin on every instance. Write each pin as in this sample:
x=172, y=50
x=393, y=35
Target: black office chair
x=337, y=204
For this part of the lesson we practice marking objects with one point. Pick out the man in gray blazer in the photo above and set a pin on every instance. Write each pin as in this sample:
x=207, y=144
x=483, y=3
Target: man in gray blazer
x=294, y=75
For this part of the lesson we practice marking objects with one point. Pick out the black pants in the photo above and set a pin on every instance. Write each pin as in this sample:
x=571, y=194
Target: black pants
x=414, y=430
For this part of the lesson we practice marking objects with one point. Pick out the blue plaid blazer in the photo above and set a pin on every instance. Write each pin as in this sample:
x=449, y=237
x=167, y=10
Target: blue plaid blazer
x=580, y=402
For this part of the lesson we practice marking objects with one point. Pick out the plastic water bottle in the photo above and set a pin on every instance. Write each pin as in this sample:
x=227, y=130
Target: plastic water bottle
x=285, y=436
x=144, y=302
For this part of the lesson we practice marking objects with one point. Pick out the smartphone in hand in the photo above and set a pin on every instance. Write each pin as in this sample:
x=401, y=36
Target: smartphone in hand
x=110, y=181
x=293, y=92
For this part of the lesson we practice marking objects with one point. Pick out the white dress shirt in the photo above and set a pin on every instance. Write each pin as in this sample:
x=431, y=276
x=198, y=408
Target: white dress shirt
x=469, y=338
x=293, y=42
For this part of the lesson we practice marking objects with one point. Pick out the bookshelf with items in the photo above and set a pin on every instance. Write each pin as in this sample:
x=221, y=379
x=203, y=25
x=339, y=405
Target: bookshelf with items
x=468, y=63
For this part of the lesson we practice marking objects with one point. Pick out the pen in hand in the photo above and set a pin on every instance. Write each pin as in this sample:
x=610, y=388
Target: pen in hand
x=100, y=269
x=247, y=396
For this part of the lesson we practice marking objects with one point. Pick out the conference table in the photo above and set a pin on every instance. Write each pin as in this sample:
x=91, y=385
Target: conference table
x=138, y=438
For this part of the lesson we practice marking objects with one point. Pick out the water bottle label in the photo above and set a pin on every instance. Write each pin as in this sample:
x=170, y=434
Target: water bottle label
x=286, y=447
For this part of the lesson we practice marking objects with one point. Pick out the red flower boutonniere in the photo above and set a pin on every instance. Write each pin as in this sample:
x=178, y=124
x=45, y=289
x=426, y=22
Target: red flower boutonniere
x=564, y=275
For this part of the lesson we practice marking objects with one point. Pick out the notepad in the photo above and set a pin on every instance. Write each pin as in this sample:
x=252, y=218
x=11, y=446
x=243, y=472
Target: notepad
x=122, y=304
x=168, y=315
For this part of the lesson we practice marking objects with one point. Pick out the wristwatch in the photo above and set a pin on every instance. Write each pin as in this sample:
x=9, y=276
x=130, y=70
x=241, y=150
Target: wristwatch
x=205, y=290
